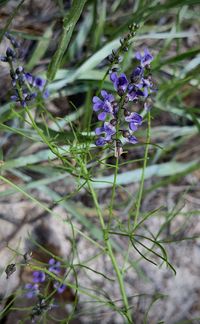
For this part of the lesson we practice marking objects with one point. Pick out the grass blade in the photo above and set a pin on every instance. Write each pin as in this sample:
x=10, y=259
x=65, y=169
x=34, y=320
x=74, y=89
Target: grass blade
x=69, y=23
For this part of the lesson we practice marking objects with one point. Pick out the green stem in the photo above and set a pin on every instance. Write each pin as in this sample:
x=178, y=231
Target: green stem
x=110, y=252
x=42, y=135
x=139, y=197
x=118, y=117
x=113, y=190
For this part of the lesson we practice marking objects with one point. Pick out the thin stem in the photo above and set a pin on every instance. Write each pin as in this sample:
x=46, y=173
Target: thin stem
x=110, y=252
x=118, y=117
x=113, y=190
x=139, y=197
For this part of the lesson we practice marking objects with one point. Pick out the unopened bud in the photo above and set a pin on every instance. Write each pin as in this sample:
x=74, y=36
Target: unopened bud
x=125, y=133
x=126, y=113
x=120, y=92
x=10, y=53
x=113, y=122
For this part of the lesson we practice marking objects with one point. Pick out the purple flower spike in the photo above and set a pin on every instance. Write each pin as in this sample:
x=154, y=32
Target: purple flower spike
x=38, y=276
x=145, y=59
x=120, y=83
x=32, y=289
x=59, y=287
x=54, y=266
x=134, y=121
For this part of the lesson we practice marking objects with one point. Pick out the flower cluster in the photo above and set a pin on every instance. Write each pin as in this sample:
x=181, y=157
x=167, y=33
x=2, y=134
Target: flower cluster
x=40, y=277
x=26, y=87
x=119, y=122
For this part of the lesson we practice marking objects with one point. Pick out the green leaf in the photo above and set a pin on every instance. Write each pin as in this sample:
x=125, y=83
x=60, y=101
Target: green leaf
x=69, y=24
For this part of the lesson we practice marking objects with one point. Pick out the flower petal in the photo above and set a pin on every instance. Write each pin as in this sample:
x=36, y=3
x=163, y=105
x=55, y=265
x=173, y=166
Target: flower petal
x=102, y=116
x=132, y=139
x=104, y=94
x=133, y=126
x=97, y=106
x=96, y=99
x=113, y=77
x=100, y=141
x=99, y=130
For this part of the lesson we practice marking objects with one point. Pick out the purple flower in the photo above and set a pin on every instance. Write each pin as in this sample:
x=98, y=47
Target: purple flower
x=3, y=58
x=146, y=86
x=33, y=290
x=59, y=287
x=108, y=129
x=120, y=83
x=19, y=70
x=134, y=120
x=39, y=83
x=46, y=94
x=10, y=53
x=100, y=141
x=134, y=92
x=129, y=137
x=15, y=98
x=54, y=266
x=132, y=139
x=137, y=74
x=144, y=59
x=104, y=105
x=38, y=276
x=29, y=78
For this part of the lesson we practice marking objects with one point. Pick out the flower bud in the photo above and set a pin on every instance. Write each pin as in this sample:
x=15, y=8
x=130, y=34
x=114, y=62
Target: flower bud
x=19, y=70
x=110, y=59
x=3, y=58
x=125, y=133
x=114, y=104
x=126, y=99
x=10, y=53
x=126, y=112
x=113, y=122
x=125, y=49
x=120, y=92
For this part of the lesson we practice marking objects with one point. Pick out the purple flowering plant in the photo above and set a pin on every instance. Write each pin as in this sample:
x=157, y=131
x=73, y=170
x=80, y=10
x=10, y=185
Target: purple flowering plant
x=39, y=277
x=32, y=290
x=54, y=266
x=26, y=87
x=120, y=121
